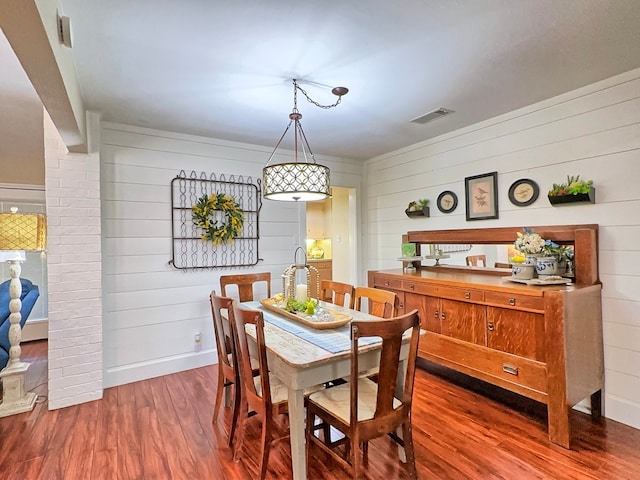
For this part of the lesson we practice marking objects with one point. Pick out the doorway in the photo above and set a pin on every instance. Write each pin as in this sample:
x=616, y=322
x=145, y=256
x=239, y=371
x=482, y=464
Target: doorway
x=332, y=233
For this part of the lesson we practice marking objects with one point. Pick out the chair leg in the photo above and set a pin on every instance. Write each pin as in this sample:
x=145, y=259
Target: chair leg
x=243, y=415
x=309, y=429
x=266, y=448
x=365, y=453
x=219, y=393
x=408, y=450
x=236, y=409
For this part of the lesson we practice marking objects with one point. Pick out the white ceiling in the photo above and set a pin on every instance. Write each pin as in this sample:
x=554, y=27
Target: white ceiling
x=223, y=68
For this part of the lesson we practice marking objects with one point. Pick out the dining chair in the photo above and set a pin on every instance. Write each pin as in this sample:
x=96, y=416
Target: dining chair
x=475, y=260
x=265, y=394
x=245, y=283
x=227, y=359
x=337, y=293
x=381, y=303
x=363, y=410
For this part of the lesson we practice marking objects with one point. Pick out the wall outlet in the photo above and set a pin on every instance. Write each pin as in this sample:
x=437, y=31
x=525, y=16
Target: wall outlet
x=197, y=342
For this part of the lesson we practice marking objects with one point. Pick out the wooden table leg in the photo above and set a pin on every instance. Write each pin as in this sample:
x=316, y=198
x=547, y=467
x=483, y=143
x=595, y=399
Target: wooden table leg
x=297, y=434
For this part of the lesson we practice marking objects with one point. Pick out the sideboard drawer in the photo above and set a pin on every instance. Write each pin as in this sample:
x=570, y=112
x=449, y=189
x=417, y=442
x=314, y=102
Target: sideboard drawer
x=514, y=300
x=461, y=294
x=490, y=365
x=522, y=371
x=421, y=288
x=384, y=282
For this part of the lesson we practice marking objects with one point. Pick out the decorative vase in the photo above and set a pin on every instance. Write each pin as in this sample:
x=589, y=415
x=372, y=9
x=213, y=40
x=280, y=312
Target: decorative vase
x=523, y=271
x=562, y=264
x=532, y=258
x=546, y=266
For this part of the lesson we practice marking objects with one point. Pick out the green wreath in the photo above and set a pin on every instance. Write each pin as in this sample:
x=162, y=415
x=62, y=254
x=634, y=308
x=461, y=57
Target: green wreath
x=213, y=230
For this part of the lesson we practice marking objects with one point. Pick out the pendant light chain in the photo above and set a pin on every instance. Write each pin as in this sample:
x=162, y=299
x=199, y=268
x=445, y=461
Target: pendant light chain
x=310, y=100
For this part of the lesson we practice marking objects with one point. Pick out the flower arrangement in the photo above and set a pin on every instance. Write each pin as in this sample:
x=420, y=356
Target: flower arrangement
x=529, y=242
x=204, y=216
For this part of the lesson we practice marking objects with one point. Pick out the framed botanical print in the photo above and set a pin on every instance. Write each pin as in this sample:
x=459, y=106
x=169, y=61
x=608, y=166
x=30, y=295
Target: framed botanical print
x=523, y=192
x=481, y=192
x=447, y=201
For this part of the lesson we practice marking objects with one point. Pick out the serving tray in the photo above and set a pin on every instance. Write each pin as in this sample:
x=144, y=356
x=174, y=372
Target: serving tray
x=540, y=281
x=337, y=319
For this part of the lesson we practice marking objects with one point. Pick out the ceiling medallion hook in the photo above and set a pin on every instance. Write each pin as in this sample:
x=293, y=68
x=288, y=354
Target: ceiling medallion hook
x=298, y=181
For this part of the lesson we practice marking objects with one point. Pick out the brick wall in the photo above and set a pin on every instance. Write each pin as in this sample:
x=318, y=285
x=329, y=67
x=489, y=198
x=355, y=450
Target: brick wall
x=72, y=183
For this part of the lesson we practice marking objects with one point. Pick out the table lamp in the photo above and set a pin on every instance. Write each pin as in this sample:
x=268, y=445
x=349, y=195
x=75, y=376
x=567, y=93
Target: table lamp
x=18, y=232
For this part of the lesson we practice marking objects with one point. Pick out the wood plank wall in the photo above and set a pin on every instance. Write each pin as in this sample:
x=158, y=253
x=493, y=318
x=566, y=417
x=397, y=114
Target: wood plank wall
x=151, y=310
x=593, y=132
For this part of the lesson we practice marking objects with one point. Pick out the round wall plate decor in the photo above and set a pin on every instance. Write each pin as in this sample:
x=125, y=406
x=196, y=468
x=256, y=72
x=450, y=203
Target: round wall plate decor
x=523, y=192
x=447, y=201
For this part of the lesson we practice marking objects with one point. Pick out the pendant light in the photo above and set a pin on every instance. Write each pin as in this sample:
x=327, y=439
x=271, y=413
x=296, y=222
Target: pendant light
x=295, y=181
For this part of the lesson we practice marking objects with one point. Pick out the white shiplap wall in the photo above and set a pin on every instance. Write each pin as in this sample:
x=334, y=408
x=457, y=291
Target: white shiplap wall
x=151, y=310
x=593, y=132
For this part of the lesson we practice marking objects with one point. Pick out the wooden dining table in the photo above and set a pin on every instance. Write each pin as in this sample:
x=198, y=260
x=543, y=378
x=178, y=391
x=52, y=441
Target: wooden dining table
x=302, y=357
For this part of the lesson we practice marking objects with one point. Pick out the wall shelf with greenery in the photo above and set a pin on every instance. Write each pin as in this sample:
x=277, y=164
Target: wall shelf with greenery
x=418, y=209
x=573, y=191
x=589, y=197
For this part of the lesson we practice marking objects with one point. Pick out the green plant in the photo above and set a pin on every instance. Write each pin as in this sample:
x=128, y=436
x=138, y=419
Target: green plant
x=418, y=205
x=308, y=306
x=573, y=186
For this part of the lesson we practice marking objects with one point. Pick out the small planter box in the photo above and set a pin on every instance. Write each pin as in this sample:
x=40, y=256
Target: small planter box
x=418, y=213
x=580, y=197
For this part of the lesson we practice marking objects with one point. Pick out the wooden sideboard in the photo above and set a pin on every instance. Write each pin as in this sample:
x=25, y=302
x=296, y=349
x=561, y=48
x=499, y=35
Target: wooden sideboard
x=543, y=342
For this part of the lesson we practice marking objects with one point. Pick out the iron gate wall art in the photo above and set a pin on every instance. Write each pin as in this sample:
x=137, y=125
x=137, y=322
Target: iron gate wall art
x=188, y=251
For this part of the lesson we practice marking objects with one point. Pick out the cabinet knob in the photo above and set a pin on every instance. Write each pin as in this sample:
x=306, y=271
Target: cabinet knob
x=412, y=286
x=443, y=316
x=437, y=314
x=386, y=283
x=490, y=326
x=510, y=369
x=467, y=295
x=512, y=302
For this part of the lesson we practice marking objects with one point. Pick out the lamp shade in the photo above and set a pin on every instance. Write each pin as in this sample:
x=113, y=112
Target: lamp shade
x=294, y=182
x=23, y=231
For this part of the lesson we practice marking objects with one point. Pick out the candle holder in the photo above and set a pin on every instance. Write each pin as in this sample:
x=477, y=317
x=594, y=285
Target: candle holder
x=289, y=288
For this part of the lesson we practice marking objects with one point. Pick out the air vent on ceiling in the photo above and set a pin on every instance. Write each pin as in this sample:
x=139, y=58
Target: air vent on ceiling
x=435, y=114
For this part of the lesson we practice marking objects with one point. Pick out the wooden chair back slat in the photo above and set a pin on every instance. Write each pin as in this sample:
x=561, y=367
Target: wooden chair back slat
x=245, y=283
x=337, y=293
x=475, y=260
x=382, y=303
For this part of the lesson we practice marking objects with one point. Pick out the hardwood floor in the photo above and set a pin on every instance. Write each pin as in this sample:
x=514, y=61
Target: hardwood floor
x=161, y=429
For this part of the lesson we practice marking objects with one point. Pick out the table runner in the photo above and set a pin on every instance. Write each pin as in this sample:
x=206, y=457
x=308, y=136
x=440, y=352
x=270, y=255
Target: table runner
x=334, y=340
